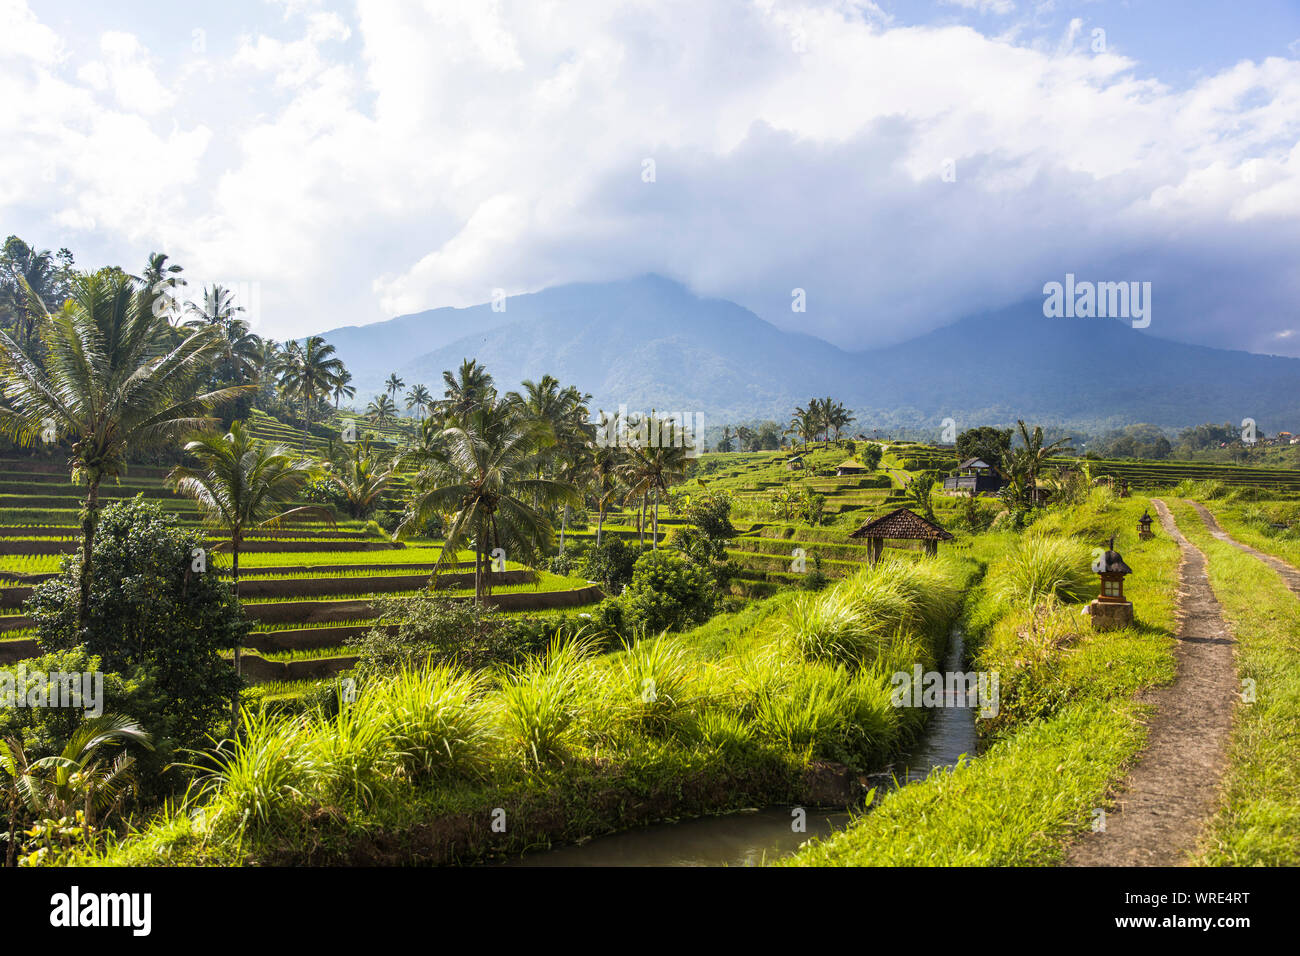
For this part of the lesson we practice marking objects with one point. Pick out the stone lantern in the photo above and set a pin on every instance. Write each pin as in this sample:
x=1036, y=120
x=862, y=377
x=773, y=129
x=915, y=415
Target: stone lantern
x=1144, y=527
x=1111, y=609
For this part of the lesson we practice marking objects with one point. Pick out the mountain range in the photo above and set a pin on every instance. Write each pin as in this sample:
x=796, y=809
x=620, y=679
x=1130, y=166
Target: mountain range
x=650, y=343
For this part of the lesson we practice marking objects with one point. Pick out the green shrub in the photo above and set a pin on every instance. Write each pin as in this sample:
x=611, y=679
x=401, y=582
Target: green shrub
x=667, y=593
x=654, y=682
x=152, y=618
x=434, y=628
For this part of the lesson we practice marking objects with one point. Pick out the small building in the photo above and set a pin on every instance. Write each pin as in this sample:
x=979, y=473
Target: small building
x=977, y=477
x=901, y=525
x=849, y=468
x=795, y=463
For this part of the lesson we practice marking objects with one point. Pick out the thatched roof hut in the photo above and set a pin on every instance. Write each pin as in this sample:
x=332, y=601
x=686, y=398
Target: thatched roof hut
x=901, y=525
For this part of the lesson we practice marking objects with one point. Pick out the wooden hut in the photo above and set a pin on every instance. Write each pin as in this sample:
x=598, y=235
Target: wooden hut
x=848, y=468
x=977, y=477
x=901, y=525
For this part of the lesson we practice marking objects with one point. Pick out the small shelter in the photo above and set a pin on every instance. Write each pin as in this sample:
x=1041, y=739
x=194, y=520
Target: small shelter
x=901, y=525
x=848, y=468
x=795, y=463
x=977, y=477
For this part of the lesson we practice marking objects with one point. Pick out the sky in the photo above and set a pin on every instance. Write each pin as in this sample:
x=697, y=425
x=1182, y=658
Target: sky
x=901, y=165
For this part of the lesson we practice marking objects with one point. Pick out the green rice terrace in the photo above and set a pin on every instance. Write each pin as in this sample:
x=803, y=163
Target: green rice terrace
x=338, y=638
x=308, y=586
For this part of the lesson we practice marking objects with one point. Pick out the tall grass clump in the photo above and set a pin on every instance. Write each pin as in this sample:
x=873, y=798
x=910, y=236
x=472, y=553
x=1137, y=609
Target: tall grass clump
x=820, y=710
x=540, y=700
x=860, y=622
x=1043, y=567
x=655, y=678
x=1203, y=488
x=352, y=755
x=436, y=718
x=259, y=781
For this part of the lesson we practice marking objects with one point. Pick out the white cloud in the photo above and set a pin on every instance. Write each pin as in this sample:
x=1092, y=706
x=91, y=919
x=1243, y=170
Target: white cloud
x=393, y=157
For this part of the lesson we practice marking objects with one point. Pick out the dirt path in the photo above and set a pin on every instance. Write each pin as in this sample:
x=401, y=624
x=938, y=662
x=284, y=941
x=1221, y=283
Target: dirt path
x=1171, y=790
x=1290, y=574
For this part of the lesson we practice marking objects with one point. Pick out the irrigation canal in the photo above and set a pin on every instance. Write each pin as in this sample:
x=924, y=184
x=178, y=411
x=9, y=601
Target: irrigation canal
x=749, y=837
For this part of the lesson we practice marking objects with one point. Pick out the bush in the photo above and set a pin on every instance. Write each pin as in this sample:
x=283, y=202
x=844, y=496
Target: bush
x=437, y=629
x=611, y=563
x=667, y=592
x=153, y=619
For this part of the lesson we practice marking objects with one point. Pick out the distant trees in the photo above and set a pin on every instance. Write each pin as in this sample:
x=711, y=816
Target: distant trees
x=420, y=399
x=992, y=445
x=821, y=416
x=487, y=479
x=308, y=372
x=1134, y=441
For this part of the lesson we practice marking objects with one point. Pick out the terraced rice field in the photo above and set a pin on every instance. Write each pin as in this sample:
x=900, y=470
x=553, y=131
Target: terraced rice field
x=308, y=587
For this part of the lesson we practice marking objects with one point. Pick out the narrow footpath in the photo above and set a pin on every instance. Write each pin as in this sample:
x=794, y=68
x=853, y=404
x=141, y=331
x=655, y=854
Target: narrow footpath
x=1170, y=792
x=1290, y=574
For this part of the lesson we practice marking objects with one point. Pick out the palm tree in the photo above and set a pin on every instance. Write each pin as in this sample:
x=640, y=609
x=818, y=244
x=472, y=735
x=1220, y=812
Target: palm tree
x=343, y=388
x=489, y=488
x=75, y=779
x=216, y=307
x=467, y=388
x=111, y=384
x=1026, y=463
x=159, y=279
x=242, y=483
x=419, y=399
x=241, y=352
x=381, y=410
x=725, y=444
x=839, y=418
x=363, y=480
x=650, y=471
x=35, y=285
x=307, y=373
x=804, y=422
x=393, y=385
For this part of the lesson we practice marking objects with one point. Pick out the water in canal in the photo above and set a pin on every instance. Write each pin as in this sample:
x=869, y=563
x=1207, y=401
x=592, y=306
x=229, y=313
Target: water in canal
x=750, y=837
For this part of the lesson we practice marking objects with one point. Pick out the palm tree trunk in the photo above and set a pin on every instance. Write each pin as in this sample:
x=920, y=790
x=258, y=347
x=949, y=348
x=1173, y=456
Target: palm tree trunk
x=89, y=514
x=600, y=523
x=564, y=525
x=654, y=519
x=234, y=578
x=306, y=418
x=478, y=569
x=640, y=524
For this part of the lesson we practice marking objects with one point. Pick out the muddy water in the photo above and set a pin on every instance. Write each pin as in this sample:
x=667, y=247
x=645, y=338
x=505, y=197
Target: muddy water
x=750, y=837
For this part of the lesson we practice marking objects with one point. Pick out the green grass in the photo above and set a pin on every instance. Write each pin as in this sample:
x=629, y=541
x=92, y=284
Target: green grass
x=573, y=746
x=1067, y=729
x=1257, y=822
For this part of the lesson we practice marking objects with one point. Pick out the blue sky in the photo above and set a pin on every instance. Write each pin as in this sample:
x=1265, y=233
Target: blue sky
x=903, y=163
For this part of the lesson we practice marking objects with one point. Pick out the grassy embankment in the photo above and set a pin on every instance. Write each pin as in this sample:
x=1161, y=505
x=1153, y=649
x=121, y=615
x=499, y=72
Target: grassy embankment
x=1068, y=726
x=1258, y=820
x=735, y=713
